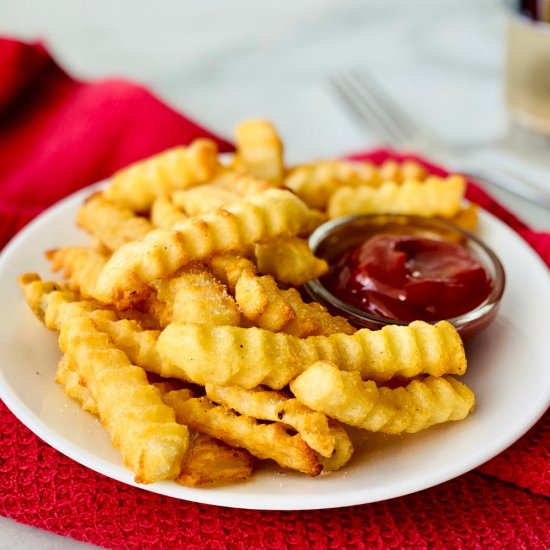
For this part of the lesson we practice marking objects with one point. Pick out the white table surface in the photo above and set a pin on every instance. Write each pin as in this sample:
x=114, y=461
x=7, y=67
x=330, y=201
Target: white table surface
x=224, y=61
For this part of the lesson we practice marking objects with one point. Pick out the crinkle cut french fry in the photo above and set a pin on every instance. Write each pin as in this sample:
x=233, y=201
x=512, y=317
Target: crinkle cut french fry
x=124, y=280
x=194, y=295
x=80, y=265
x=315, y=183
x=139, y=345
x=259, y=151
x=141, y=427
x=467, y=217
x=269, y=307
x=328, y=438
x=266, y=306
x=112, y=224
x=276, y=406
x=261, y=302
x=250, y=357
x=226, y=186
x=241, y=184
x=229, y=267
x=165, y=214
x=313, y=319
x=210, y=460
x=207, y=460
x=203, y=198
x=431, y=197
x=138, y=185
x=55, y=307
x=419, y=405
x=289, y=260
x=70, y=381
x=343, y=448
x=265, y=441
x=391, y=170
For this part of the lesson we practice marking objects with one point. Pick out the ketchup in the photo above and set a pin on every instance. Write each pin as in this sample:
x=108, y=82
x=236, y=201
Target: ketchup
x=407, y=277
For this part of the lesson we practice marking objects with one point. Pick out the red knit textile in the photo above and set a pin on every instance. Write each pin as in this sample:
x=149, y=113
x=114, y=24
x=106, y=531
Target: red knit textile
x=58, y=135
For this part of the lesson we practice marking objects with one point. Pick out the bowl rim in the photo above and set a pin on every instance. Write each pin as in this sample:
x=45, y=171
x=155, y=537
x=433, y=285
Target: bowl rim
x=318, y=291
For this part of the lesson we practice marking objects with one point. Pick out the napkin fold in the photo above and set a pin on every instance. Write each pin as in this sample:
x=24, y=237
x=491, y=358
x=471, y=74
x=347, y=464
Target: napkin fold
x=58, y=135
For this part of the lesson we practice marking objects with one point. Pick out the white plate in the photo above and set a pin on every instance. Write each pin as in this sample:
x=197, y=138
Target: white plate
x=508, y=370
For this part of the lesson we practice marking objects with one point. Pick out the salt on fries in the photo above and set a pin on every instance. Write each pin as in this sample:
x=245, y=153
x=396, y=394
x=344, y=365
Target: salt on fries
x=183, y=328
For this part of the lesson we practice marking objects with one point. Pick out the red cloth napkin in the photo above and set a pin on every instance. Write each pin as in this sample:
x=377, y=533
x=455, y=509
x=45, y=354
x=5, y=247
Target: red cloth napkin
x=57, y=135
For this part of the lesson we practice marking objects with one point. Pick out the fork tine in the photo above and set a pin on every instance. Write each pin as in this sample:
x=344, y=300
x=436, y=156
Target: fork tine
x=382, y=109
x=367, y=111
x=394, y=113
x=355, y=105
x=374, y=109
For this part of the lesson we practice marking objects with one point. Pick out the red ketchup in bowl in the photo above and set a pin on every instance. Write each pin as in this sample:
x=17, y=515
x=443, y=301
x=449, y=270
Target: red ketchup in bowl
x=409, y=277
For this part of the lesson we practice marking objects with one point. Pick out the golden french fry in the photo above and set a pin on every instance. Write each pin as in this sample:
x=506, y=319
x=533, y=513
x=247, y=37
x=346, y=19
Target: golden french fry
x=124, y=280
x=229, y=267
x=269, y=307
x=250, y=357
x=399, y=172
x=315, y=183
x=431, y=197
x=261, y=440
x=53, y=305
x=112, y=224
x=312, y=319
x=194, y=295
x=467, y=217
x=80, y=265
x=259, y=151
x=309, y=319
x=343, y=449
x=289, y=260
x=103, y=369
x=141, y=427
x=209, y=461
x=241, y=184
x=138, y=344
x=344, y=396
x=261, y=302
x=277, y=407
x=138, y=185
x=203, y=198
x=165, y=214
x=67, y=377
x=266, y=306
x=226, y=187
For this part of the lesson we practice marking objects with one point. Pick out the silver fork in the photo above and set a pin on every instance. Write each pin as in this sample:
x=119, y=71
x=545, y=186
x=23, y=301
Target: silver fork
x=372, y=108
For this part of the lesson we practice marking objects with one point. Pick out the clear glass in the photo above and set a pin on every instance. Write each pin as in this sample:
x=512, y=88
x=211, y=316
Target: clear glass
x=334, y=237
x=528, y=71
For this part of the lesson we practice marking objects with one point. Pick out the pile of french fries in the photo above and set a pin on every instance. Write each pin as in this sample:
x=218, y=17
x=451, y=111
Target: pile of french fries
x=182, y=326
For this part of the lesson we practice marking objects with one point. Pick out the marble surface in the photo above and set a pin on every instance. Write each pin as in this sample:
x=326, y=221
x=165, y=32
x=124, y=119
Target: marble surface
x=221, y=62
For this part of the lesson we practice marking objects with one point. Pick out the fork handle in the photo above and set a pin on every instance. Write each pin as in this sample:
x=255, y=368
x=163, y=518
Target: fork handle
x=517, y=186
